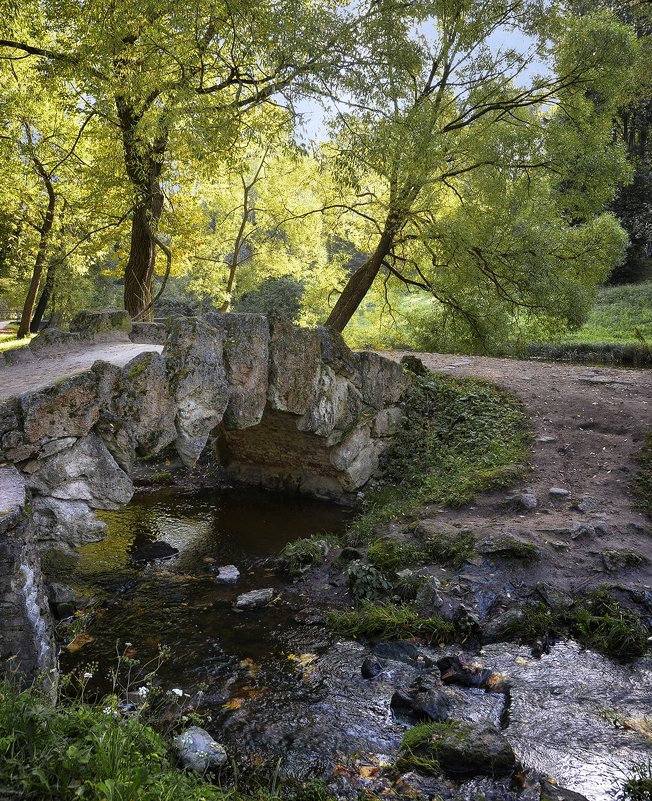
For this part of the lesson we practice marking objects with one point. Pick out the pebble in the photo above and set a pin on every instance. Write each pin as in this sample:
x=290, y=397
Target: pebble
x=254, y=599
x=227, y=574
x=558, y=492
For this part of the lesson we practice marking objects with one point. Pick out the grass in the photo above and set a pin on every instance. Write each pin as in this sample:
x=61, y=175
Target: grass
x=598, y=621
x=638, y=784
x=8, y=341
x=643, y=480
x=391, y=621
x=459, y=437
x=621, y=314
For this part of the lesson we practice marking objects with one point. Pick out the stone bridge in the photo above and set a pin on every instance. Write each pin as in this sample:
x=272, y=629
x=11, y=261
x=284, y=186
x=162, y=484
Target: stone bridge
x=276, y=405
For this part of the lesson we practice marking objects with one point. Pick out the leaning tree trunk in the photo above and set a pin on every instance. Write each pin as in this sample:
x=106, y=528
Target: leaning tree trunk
x=39, y=262
x=360, y=282
x=43, y=301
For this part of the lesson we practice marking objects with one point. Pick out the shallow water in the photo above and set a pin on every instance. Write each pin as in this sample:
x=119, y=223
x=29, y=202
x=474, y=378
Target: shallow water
x=275, y=686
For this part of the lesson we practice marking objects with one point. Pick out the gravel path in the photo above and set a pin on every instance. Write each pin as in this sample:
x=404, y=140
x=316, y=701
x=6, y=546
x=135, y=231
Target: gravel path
x=45, y=370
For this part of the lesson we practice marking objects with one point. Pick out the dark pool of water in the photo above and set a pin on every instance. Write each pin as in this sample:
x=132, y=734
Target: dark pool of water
x=177, y=603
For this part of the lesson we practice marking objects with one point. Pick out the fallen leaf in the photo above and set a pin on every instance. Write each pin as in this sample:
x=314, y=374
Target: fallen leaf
x=233, y=703
x=79, y=642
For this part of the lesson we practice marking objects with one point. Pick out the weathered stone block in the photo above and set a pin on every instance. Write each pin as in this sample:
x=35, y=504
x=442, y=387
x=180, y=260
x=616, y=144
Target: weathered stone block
x=110, y=325
x=67, y=409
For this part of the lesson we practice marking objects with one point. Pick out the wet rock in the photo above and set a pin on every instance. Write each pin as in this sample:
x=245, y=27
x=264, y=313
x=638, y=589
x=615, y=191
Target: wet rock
x=65, y=522
x=429, y=597
x=371, y=668
x=227, y=574
x=397, y=651
x=456, y=670
x=552, y=792
x=198, y=751
x=310, y=617
x=467, y=749
x=62, y=600
x=153, y=551
x=254, y=599
x=558, y=492
x=424, y=700
x=502, y=626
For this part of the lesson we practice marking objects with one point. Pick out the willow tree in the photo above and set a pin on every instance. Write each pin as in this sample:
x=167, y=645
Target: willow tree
x=173, y=80
x=437, y=108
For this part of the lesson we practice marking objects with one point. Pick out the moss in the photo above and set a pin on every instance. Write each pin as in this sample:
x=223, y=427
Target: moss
x=420, y=745
x=391, y=621
x=512, y=548
x=458, y=437
x=391, y=555
x=451, y=549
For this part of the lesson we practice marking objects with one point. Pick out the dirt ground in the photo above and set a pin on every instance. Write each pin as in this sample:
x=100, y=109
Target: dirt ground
x=589, y=424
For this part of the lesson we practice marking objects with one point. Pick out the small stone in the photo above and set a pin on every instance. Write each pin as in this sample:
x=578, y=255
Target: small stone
x=371, y=668
x=546, y=438
x=227, y=574
x=558, y=492
x=587, y=505
x=198, y=751
x=527, y=501
x=429, y=596
x=254, y=599
x=601, y=528
x=582, y=530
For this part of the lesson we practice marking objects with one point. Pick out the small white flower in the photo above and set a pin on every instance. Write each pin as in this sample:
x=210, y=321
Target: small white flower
x=176, y=691
x=143, y=691
x=88, y=675
x=107, y=710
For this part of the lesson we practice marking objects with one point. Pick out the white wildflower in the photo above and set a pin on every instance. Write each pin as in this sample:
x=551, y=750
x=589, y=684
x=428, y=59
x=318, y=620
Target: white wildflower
x=143, y=692
x=88, y=675
x=107, y=710
x=176, y=691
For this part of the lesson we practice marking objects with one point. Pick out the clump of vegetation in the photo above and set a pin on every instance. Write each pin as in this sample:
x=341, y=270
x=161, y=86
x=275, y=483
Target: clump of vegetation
x=598, y=621
x=391, y=621
x=73, y=750
x=638, y=785
x=366, y=582
x=390, y=555
x=643, y=481
x=460, y=436
x=301, y=555
x=420, y=745
x=451, y=549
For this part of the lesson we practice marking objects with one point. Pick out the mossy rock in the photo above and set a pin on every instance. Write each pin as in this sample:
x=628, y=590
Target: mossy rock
x=457, y=749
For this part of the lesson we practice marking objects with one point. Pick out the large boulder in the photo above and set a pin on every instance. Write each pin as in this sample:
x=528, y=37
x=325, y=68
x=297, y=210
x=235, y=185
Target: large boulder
x=198, y=751
x=111, y=325
x=195, y=365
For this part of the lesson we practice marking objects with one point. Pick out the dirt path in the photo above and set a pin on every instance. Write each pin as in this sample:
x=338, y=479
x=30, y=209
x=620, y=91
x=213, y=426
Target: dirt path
x=589, y=424
x=44, y=370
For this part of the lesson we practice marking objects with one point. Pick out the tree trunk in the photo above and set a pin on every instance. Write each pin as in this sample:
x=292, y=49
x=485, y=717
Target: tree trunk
x=143, y=163
x=42, y=304
x=360, y=282
x=39, y=262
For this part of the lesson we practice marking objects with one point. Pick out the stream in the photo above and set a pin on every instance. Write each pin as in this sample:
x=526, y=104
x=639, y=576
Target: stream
x=276, y=684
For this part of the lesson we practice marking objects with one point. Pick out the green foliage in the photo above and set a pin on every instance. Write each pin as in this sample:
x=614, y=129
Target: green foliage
x=459, y=437
x=451, y=549
x=301, y=555
x=643, y=480
x=391, y=556
x=74, y=750
x=638, y=784
x=366, y=582
x=280, y=295
x=419, y=747
x=391, y=621
x=620, y=314
x=598, y=621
